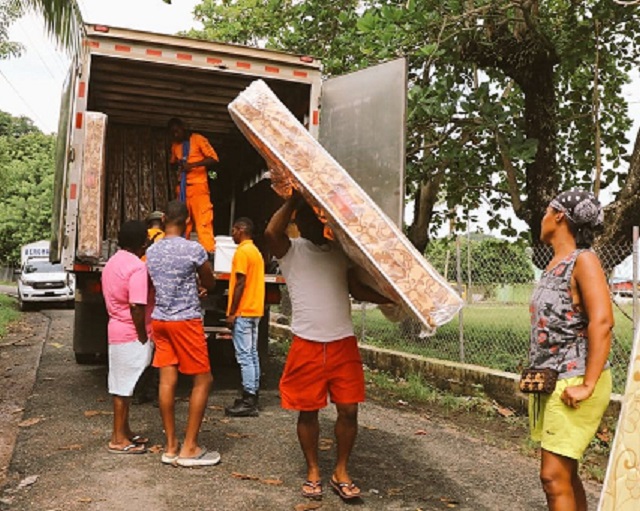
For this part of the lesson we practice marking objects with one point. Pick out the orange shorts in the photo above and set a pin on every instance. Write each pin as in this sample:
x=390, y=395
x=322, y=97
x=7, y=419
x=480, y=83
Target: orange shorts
x=181, y=343
x=315, y=369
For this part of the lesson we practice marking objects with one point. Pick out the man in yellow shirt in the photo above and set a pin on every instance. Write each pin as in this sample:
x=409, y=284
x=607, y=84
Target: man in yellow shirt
x=245, y=308
x=192, y=156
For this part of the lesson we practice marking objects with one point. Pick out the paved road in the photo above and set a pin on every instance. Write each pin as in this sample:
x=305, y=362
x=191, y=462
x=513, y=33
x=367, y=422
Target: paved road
x=444, y=467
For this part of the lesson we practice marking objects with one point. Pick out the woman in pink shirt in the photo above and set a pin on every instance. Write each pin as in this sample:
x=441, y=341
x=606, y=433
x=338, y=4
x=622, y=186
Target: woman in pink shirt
x=125, y=286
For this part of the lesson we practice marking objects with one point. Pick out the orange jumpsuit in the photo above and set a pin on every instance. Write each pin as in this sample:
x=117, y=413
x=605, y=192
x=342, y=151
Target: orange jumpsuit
x=198, y=198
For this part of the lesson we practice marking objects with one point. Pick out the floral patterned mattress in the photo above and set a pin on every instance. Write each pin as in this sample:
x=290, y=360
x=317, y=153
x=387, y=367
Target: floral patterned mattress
x=370, y=239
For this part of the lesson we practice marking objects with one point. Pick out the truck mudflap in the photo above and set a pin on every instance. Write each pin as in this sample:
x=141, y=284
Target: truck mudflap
x=90, y=321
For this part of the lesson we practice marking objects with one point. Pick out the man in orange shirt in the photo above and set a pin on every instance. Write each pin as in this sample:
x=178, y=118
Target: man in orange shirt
x=246, y=307
x=192, y=156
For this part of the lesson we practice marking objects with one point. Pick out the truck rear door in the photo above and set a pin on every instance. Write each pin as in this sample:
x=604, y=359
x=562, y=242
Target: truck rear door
x=63, y=144
x=362, y=125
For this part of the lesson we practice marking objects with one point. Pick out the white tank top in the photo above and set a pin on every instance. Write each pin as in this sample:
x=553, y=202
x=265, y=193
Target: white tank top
x=317, y=281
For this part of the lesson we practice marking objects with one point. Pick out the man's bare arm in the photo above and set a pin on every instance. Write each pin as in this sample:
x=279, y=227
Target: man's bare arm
x=364, y=293
x=275, y=233
x=205, y=275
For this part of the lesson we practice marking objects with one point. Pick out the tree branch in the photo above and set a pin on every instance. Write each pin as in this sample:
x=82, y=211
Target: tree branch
x=510, y=169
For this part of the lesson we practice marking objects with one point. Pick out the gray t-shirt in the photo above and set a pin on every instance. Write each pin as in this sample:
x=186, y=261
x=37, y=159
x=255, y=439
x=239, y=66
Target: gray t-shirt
x=173, y=264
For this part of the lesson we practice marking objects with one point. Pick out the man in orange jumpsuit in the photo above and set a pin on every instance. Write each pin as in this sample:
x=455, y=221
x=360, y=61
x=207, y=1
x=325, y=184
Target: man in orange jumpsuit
x=192, y=156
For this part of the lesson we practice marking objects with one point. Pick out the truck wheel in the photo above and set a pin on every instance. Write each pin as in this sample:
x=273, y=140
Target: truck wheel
x=90, y=332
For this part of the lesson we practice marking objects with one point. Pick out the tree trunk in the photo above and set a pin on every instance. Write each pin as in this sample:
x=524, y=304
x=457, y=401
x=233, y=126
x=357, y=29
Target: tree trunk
x=528, y=58
x=425, y=199
x=540, y=109
x=622, y=214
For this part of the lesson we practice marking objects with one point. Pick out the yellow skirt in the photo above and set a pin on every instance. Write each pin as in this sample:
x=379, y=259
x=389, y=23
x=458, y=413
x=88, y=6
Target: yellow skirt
x=564, y=430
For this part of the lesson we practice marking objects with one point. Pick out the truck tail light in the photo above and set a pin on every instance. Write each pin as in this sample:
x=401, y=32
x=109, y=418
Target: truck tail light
x=272, y=295
x=94, y=287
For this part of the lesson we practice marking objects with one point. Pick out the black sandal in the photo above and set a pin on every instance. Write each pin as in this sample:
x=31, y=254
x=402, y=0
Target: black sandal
x=340, y=487
x=316, y=489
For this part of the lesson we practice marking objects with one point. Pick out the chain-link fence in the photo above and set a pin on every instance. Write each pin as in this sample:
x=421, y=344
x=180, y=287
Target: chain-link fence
x=496, y=279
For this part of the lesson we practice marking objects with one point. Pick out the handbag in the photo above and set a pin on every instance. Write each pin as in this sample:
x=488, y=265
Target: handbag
x=538, y=381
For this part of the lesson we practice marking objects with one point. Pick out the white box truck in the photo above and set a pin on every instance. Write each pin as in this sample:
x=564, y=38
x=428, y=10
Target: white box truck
x=112, y=152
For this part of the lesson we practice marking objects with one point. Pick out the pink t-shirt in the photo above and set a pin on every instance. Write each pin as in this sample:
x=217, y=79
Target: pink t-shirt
x=125, y=281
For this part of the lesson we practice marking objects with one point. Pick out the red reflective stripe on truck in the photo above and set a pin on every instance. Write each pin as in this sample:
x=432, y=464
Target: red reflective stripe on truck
x=82, y=89
x=316, y=117
x=73, y=191
x=79, y=120
x=184, y=56
x=243, y=65
x=300, y=74
x=154, y=53
x=213, y=60
x=271, y=69
x=92, y=44
x=122, y=47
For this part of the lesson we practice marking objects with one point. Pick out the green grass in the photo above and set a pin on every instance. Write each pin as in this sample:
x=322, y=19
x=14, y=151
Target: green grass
x=8, y=313
x=495, y=336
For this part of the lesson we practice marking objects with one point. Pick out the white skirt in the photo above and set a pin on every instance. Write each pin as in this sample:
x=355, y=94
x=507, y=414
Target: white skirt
x=127, y=362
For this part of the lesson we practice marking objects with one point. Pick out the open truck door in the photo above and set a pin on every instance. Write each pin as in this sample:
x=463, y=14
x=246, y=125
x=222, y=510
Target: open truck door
x=64, y=158
x=362, y=125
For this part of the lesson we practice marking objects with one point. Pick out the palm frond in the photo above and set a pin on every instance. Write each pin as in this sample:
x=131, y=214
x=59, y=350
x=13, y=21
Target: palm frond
x=62, y=18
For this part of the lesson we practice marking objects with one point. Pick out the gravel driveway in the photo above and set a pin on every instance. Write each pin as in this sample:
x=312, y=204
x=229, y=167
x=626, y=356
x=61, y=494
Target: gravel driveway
x=403, y=460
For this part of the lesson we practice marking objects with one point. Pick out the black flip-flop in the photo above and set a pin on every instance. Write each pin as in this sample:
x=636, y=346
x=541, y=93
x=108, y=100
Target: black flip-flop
x=128, y=449
x=314, y=485
x=139, y=440
x=339, y=489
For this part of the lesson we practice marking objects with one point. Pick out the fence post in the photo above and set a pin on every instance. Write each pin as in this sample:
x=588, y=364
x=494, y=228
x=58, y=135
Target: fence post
x=460, y=314
x=469, y=293
x=635, y=280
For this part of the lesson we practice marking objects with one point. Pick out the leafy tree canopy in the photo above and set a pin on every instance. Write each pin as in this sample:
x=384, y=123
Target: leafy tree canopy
x=509, y=100
x=492, y=261
x=26, y=178
x=11, y=126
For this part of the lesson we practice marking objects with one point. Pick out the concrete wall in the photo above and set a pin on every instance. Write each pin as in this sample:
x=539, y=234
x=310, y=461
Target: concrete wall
x=462, y=379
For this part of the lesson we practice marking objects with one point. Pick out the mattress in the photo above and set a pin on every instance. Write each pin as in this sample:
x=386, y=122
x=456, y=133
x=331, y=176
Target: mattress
x=369, y=238
x=92, y=186
x=621, y=490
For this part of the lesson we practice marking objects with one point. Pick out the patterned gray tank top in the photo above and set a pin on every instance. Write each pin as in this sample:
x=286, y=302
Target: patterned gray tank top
x=558, y=328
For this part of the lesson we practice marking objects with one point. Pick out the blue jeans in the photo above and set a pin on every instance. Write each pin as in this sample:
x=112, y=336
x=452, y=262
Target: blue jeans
x=245, y=342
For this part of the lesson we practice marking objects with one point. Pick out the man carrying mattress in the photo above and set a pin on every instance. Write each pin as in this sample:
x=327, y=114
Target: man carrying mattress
x=324, y=357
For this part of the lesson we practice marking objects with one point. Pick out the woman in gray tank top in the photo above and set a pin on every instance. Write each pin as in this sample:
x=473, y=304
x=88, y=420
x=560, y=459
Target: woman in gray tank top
x=571, y=322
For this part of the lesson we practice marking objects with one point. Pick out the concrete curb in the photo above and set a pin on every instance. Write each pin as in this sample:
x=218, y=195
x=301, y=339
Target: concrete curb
x=461, y=379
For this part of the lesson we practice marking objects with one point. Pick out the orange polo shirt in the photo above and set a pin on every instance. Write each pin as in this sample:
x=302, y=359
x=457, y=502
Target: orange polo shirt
x=199, y=149
x=248, y=261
